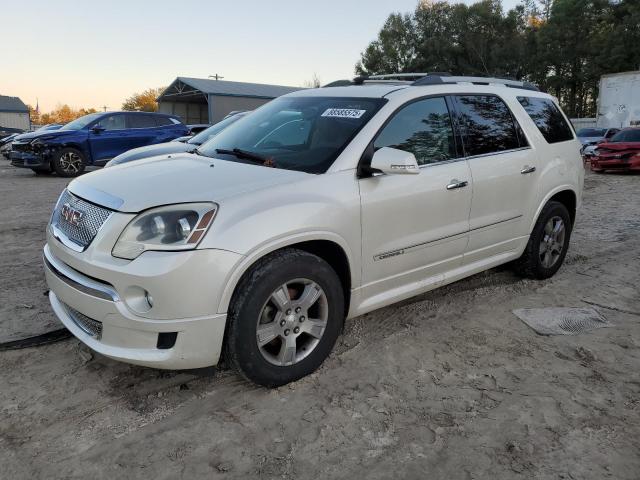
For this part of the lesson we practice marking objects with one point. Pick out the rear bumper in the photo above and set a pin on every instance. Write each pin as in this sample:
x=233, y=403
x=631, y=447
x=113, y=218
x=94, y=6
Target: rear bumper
x=29, y=160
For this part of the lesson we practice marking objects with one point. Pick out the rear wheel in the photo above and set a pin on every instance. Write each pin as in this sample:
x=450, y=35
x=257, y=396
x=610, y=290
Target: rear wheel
x=69, y=162
x=547, y=244
x=284, y=318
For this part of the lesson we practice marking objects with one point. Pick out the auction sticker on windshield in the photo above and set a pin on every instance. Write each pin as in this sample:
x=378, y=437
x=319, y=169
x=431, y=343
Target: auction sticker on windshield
x=343, y=113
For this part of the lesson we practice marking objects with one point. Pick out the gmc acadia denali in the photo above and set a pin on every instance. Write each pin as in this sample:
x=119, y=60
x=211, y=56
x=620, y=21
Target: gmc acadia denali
x=321, y=205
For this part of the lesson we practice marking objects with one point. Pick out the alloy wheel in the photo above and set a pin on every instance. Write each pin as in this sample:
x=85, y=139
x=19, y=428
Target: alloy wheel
x=292, y=322
x=552, y=242
x=70, y=162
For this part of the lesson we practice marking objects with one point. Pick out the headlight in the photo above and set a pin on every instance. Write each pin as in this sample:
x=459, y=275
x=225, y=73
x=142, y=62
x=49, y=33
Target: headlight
x=168, y=228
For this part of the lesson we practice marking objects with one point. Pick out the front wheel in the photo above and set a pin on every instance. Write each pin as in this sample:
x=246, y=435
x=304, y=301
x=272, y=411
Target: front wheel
x=284, y=318
x=69, y=162
x=548, y=243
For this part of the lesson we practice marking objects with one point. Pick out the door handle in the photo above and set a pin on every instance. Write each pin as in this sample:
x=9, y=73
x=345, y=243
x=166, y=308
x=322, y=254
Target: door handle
x=455, y=183
x=527, y=169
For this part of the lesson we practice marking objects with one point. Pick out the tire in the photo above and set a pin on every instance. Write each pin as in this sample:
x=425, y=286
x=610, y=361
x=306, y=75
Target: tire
x=597, y=170
x=69, y=162
x=548, y=243
x=41, y=171
x=284, y=318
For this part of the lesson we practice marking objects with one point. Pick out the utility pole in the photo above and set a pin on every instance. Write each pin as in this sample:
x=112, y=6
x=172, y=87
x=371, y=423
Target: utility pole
x=104, y=107
x=216, y=77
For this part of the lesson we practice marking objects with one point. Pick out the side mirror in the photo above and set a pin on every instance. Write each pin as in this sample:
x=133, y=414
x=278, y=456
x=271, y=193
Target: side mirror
x=393, y=161
x=97, y=129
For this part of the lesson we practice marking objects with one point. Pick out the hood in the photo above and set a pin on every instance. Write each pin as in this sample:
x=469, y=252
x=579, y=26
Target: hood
x=618, y=146
x=151, y=182
x=25, y=137
x=586, y=140
x=151, y=151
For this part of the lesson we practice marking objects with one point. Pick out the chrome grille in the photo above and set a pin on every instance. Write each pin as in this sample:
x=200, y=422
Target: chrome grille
x=88, y=325
x=85, y=229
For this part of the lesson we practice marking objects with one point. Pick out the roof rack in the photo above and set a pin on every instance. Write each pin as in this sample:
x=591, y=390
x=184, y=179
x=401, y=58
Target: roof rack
x=433, y=78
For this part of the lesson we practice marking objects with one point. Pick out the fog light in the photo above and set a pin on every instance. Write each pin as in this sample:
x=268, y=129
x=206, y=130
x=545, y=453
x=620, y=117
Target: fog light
x=148, y=298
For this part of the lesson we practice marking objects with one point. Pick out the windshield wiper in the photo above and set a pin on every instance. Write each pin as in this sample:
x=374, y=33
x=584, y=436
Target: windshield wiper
x=254, y=157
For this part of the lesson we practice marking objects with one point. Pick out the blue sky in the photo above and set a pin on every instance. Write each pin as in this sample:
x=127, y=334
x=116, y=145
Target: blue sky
x=89, y=54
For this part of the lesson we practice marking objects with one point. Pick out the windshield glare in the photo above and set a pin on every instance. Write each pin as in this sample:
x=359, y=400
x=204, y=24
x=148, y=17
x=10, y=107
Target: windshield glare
x=297, y=133
x=213, y=130
x=631, y=135
x=81, y=122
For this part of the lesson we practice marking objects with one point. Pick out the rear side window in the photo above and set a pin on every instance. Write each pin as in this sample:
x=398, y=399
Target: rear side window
x=487, y=125
x=548, y=118
x=422, y=128
x=141, y=121
x=163, y=121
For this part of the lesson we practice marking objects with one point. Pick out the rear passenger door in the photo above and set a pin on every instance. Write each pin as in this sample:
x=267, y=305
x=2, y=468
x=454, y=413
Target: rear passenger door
x=142, y=130
x=504, y=172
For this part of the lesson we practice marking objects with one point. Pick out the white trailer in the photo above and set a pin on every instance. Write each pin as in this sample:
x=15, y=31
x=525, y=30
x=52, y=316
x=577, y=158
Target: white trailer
x=619, y=100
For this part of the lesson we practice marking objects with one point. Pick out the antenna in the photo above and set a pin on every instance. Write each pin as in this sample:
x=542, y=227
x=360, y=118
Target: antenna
x=216, y=77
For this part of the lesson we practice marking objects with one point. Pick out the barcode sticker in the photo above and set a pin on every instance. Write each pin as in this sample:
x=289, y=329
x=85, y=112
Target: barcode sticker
x=343, y=113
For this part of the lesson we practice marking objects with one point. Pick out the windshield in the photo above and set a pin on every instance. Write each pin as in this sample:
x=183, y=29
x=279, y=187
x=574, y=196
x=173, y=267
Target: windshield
x=213, y=130
x=631, y=135
x=81, y=122
x=296, y=133
x=591, y=132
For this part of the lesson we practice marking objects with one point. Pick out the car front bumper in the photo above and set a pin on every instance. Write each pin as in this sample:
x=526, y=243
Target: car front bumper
x=101, y=304
x=632, y=164
x=29, y=160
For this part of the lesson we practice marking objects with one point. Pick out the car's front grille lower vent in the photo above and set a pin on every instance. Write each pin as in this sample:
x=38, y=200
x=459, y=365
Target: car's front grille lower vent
x=78, y=219
x=88, y=325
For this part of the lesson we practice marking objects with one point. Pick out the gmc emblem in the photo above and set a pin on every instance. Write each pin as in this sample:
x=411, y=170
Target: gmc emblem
x=71, y=215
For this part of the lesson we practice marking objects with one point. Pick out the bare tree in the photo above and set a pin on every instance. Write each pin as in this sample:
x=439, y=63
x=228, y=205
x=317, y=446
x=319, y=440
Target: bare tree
x=313, y=83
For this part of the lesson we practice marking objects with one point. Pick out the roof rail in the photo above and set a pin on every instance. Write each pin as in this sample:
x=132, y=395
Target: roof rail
x=433, y=78
x=438, y=79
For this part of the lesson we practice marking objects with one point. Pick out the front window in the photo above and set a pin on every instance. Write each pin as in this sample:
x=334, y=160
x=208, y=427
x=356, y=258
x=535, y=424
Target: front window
x=80, y=123
x=631, y=135
x=112, y=122
x=295, y=133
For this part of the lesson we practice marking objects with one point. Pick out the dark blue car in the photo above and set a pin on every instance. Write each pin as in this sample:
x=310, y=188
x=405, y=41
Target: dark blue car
x=92, y=140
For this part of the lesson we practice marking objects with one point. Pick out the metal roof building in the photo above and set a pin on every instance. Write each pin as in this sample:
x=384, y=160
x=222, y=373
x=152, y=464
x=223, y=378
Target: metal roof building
x=198, y=100
x=14, y=113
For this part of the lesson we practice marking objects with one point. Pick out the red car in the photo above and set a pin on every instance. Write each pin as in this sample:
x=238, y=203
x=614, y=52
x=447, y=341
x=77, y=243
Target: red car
x=621, y=153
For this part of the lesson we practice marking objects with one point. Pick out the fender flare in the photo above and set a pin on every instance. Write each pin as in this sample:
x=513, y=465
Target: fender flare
x=545, y=200
x=250, y=258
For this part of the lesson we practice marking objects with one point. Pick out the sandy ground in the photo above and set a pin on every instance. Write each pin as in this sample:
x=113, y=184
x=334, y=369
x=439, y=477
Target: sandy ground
x=447, y=385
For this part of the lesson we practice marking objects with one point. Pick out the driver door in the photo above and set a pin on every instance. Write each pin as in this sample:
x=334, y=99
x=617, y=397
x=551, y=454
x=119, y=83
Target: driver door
x=415, y=227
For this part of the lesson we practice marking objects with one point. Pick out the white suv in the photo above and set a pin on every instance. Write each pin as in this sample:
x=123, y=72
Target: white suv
x=321, y=205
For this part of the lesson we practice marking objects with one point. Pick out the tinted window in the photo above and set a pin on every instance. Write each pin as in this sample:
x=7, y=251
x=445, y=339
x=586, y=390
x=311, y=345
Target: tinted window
x=631, y=135
x=161, y=121
x=112, y=122
x=487, y=125
x=141, y=121
x=548, y=118
x=422, y=128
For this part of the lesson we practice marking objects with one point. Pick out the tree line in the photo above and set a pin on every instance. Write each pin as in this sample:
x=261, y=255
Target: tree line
x=563, y=46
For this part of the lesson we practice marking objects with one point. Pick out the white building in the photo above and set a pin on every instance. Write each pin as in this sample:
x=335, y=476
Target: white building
x=14, y=113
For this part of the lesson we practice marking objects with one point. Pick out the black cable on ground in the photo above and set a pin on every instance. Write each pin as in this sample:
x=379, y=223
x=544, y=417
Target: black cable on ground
x=37, y=340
